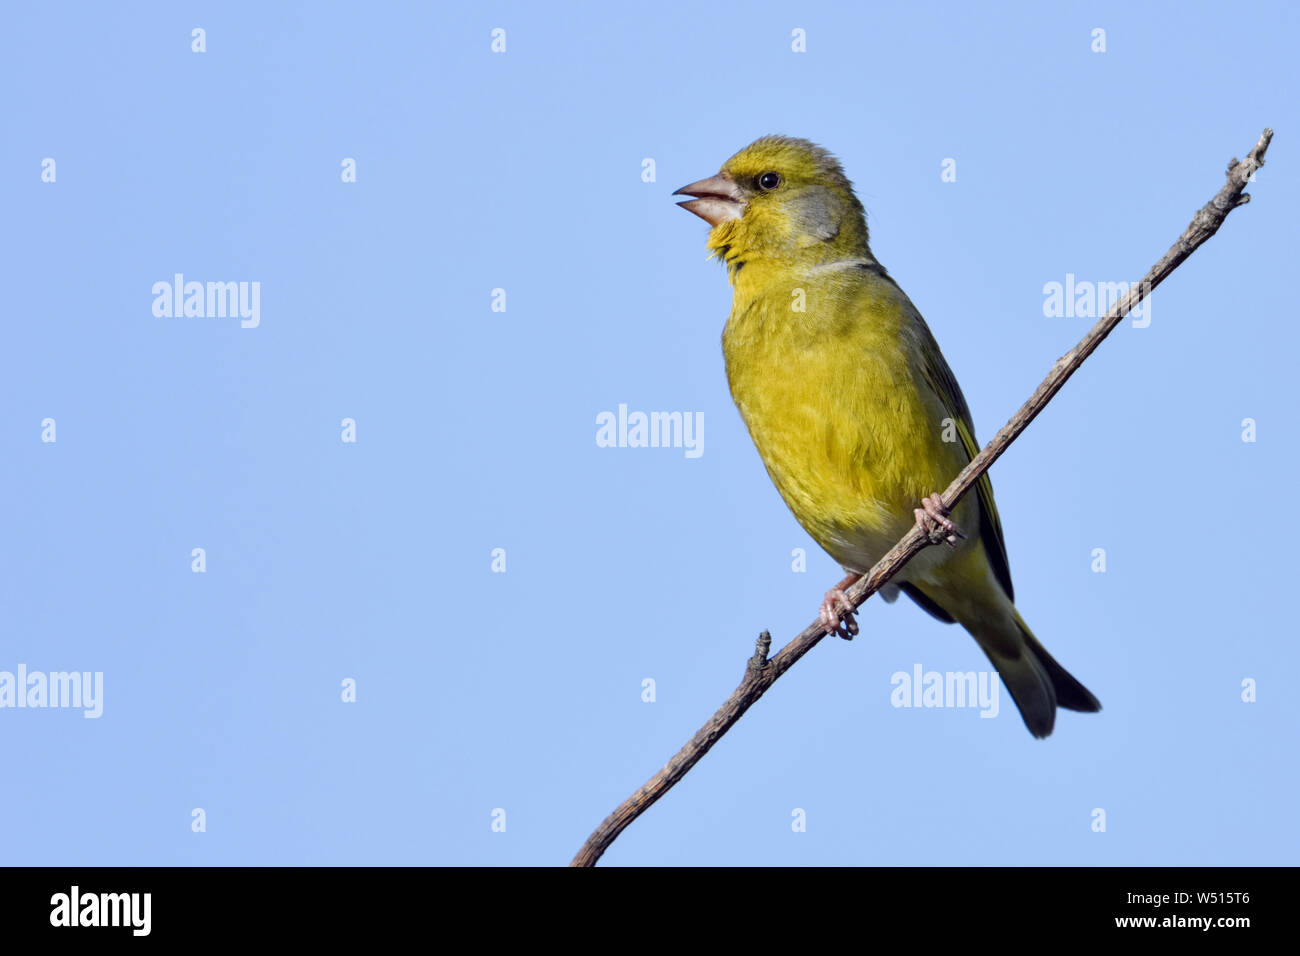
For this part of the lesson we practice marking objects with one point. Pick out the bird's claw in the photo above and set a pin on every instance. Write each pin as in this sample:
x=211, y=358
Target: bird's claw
x=837, y=614
x=932, y=519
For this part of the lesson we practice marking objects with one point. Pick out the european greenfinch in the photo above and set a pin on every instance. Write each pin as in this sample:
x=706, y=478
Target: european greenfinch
x=854, y=410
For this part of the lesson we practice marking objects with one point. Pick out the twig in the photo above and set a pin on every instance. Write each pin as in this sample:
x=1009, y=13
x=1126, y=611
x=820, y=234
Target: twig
x=761, y=673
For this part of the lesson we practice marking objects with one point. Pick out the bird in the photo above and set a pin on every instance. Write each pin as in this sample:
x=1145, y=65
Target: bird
x=854, y=410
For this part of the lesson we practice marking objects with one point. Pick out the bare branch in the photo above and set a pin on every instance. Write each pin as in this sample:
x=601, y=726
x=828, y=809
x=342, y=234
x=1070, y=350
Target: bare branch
x=761, y=673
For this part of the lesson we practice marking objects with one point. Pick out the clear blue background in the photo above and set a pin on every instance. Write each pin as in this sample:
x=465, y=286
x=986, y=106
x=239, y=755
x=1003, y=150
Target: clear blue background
x=476, y=430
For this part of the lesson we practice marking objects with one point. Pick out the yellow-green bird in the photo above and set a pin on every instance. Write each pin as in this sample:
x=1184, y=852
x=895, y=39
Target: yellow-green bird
x=853, y=409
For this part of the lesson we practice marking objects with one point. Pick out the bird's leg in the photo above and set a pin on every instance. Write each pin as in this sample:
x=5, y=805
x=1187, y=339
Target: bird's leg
x=932, y=519
x=836, y=612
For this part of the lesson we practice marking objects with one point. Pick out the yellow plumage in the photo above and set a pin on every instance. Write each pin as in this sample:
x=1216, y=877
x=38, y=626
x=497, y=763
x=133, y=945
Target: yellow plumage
x=851, y=405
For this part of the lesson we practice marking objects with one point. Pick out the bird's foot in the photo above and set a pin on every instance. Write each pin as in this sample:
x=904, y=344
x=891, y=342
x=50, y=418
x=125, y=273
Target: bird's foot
x=932, y=519
x=837, y=614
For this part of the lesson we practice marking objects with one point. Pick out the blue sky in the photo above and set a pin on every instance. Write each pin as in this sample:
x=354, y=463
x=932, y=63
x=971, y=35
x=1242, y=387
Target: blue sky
x=372, y=561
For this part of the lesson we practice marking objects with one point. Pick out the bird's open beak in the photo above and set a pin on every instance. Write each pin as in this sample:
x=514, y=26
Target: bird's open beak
x=718, y=199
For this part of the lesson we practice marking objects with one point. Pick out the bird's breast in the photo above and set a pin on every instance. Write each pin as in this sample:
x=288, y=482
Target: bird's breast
x=833, y=407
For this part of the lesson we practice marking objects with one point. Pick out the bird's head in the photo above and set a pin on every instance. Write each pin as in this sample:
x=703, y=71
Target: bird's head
x=780, y=199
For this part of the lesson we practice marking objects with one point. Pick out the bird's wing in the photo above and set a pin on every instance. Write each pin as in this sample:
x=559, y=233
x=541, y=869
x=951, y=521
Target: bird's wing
x=940, y=378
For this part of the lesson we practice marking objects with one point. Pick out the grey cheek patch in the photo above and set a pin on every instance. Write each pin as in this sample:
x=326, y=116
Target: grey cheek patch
x=819, y=213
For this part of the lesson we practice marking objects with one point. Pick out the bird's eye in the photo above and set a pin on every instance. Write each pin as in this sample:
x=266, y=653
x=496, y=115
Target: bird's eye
x=769, y=181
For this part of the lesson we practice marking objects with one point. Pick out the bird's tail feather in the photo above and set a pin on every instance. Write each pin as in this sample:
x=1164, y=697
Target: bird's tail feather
x=1024, y=676
x=1037, y=683
x=1070, y=694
